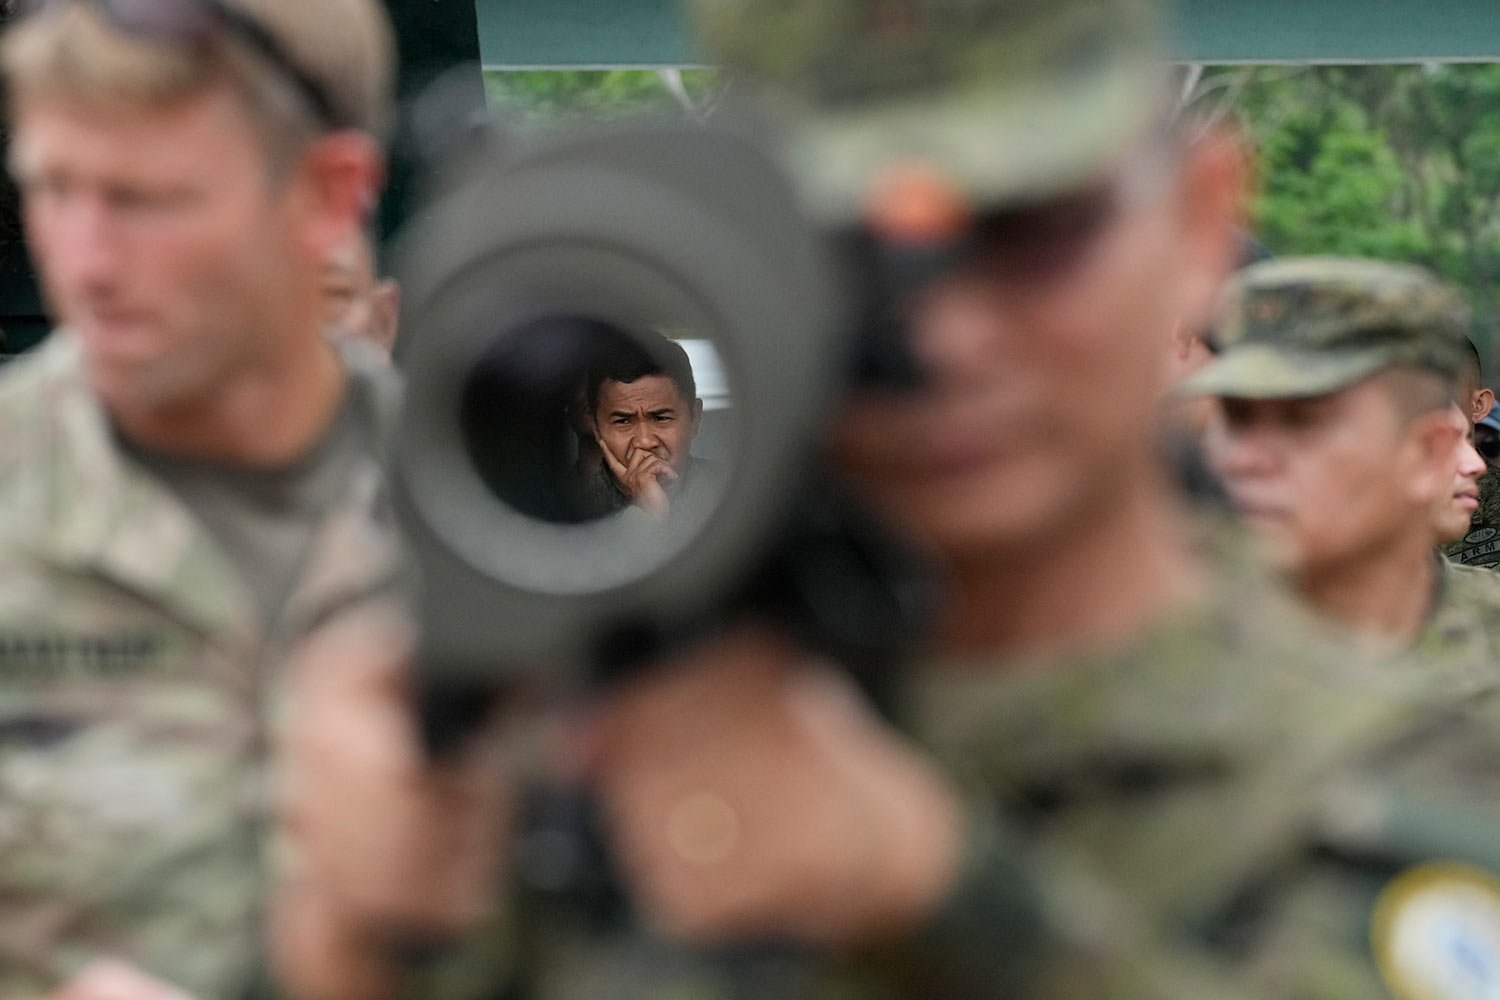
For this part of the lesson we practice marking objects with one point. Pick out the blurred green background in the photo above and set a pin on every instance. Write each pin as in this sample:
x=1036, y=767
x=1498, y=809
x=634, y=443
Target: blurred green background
x=1400, y=162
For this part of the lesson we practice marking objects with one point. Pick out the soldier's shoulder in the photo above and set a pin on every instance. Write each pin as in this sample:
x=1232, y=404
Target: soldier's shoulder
x=48, y=369
x=1249, y=610
x=1467, y=618
x=32, y=387
x=1475, y=583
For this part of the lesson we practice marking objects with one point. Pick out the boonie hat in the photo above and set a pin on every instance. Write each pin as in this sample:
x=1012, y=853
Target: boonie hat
x=1310, y=326
x=1009, y=101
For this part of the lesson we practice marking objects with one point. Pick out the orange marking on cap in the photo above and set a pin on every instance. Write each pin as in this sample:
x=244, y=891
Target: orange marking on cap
x=917, y=203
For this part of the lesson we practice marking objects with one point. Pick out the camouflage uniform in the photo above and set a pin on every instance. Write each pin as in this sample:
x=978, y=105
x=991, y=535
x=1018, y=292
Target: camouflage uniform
x=1218, y=810
x=1463, y=634
x=136, y=686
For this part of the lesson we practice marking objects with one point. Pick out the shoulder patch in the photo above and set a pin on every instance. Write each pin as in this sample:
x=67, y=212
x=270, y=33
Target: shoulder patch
x=1436, y=934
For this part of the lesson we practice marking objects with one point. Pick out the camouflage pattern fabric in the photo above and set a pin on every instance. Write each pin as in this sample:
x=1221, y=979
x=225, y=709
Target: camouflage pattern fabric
x=1220, y=811
x=1457, y=654
x=137, y=685
x=1481, y=546
x=1010, y=102
x=1459, y=651
x=1214, y=811
x=1310, y=326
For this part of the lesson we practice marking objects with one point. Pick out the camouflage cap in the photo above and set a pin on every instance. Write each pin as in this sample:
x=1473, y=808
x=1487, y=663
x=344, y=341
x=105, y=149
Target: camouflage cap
x=1012, y=101
x=1309, y=326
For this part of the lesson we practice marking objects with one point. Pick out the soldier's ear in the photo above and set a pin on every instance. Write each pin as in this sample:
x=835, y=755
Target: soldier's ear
x=342, y=174
x=1484, y=401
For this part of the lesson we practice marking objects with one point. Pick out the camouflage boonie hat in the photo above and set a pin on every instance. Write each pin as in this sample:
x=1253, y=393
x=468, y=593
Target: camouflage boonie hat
x=1011, y=101
x=1310, y=326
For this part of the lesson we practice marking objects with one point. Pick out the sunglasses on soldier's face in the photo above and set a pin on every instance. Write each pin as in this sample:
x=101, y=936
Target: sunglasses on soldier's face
x=1487, y=443
x=1047, y=241
x=197, y=23
x=1044, y=241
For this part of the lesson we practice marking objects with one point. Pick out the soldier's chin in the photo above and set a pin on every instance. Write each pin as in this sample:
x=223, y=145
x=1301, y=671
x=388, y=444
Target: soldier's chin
x=139, y=386
x=1455, y=527
x=1280, y=547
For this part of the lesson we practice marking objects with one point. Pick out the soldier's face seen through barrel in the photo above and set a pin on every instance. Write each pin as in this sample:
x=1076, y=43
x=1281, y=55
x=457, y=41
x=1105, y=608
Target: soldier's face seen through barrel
x=1006, y=444
x=570, y=419
x=647, y=419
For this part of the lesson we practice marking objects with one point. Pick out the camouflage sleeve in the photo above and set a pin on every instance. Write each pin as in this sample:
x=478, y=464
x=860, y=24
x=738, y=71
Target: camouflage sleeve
x=1011, y=929
x=1388, y=885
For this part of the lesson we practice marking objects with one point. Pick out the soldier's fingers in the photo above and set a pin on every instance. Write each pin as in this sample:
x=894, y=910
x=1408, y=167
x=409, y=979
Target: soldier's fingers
x=640, y=459
x=645, y=471
x=615, y=465
x=661, y=474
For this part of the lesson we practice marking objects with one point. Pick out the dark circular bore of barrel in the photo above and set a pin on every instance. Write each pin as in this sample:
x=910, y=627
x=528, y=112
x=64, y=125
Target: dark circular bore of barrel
x=526, y=412
x=525, y=420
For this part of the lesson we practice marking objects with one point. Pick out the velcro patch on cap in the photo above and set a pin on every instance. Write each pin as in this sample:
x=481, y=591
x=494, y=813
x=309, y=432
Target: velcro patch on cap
x=1436, y=934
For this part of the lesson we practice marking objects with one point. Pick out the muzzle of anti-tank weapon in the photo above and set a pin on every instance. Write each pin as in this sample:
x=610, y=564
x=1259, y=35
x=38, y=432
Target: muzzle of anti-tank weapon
x=518, y=280
x=513, y=278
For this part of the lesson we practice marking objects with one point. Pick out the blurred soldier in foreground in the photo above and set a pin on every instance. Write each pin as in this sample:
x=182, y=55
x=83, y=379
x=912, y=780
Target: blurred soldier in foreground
x=1114, y=778
x=1341, y=438
x=356, y=301
x=188, y=468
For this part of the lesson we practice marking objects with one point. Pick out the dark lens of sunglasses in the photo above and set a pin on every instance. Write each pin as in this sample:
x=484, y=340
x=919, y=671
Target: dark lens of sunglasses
x=1487, y=443
x=1047, y=240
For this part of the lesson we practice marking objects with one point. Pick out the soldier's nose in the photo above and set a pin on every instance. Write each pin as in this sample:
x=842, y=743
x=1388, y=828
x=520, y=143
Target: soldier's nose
x=1238, y=454
x=956, y=329
x=81, y=253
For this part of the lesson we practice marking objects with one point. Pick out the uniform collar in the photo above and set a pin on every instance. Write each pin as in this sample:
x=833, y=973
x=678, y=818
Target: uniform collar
x=96, y=510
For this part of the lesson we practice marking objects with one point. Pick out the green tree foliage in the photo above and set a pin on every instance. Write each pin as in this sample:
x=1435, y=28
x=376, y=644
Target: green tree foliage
x=1396, y=162
x=556, y=97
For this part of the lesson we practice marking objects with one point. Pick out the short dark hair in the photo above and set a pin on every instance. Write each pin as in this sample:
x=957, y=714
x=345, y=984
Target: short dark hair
x=1416, y=392
x=1472, y=361
x=638, y=356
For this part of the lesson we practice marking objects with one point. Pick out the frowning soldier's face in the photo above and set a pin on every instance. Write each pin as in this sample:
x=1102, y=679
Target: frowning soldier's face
x=649, y=414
